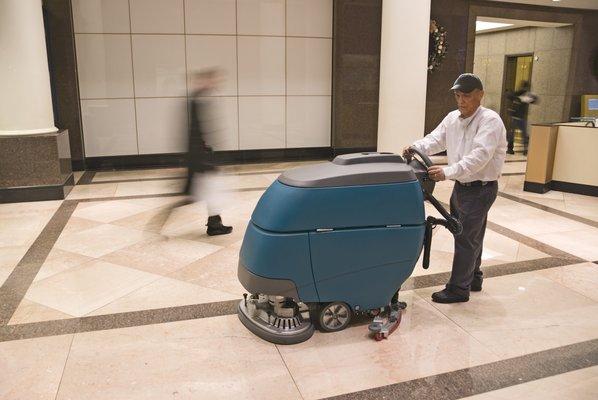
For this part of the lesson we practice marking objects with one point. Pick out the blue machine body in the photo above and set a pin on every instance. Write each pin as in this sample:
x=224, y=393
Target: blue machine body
x=355, y=243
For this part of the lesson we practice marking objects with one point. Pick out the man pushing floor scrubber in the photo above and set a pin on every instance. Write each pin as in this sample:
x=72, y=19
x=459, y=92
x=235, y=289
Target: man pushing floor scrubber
x=331, y=240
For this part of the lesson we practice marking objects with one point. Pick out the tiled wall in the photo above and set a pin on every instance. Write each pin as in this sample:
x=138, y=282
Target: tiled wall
x=550, y=71
x=134, y=57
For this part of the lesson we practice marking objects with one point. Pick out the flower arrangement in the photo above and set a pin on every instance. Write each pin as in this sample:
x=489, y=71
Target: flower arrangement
x=438, y=46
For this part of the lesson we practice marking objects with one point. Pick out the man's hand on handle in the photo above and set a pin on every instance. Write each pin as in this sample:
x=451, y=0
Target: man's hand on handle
x=408, y=153
x=436, y=173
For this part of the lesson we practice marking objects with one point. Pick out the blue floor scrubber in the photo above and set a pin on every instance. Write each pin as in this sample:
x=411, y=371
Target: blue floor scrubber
x=331, y=240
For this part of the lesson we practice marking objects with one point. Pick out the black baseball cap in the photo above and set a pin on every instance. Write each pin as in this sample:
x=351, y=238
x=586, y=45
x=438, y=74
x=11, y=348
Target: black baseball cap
x=467, y=82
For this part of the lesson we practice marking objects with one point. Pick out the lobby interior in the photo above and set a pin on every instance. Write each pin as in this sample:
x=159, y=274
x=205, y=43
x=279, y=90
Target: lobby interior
x=110, y=287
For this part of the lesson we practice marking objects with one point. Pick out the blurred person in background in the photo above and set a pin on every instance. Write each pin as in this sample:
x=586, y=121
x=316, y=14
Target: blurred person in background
x=521, y=100
x=202, y=176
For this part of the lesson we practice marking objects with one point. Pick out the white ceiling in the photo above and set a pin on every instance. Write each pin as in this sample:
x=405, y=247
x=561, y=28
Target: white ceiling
x=585, y=4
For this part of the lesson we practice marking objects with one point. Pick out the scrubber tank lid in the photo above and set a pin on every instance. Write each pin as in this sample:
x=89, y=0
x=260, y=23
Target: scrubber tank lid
x=351, y=170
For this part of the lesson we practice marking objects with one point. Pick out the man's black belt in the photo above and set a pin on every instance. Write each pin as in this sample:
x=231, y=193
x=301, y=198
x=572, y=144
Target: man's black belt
x=476, y=183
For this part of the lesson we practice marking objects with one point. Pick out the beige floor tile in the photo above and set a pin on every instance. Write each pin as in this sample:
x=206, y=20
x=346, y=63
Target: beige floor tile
x=101, y=240
x=88, y=287
x=139, y=174
x=514, y=167
x=164, y=293
x=108, y=211
x=582, y=278
x=426, y=343
x=581, y=384
x=76, y=224
x=161, y=255
x=59, y=261
x=523, y=313
x=217, y=271
x=149, y=187
x=581, y=243
x=32, y=368
x=92, y=191
x=23, y=228
x=212, y=358
x=30, y=311
x=153, y=220
x=28, y=208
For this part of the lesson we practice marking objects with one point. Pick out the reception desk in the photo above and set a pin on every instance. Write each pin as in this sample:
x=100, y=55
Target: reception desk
x=562, y=157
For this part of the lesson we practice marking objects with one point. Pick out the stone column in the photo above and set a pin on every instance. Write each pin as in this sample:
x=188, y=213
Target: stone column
x=25, y=97
x=403, y=73
x=35, y=158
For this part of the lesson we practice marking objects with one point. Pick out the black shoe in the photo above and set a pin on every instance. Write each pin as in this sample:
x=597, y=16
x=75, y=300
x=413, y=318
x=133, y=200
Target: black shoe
x=510, y=152
x=476, y=284
x=446, y=296
x=215, y=226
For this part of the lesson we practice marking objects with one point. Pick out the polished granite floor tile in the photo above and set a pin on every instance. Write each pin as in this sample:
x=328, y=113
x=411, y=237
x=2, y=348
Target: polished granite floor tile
x=161, y=255
x=218, y=271
x=9, y=258
x=214, y=358
x=32, y=369
x=149, y=187
x=426, y=343
x=580, y=384
x=101, y=240
x=582, y=243
x=22, y=229
x=165, y=293
x=76, y=224
x=59, y=261
x=92, y=285
x=92, y=191
x=523, y=313
x=109, y=211
x=151, y=173
x=27, y=208
x=30, y=311
x=582, y=278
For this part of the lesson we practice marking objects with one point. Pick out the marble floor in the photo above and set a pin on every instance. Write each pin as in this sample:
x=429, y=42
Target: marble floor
x=118, y=293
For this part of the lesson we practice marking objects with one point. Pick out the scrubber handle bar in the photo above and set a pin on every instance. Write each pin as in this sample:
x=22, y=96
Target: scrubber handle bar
x=451, y=223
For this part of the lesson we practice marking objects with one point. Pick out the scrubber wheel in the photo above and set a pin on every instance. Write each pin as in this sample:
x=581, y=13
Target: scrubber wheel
x=334, y=317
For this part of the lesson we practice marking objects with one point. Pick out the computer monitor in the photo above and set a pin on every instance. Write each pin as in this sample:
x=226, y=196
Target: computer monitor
x=589, y=105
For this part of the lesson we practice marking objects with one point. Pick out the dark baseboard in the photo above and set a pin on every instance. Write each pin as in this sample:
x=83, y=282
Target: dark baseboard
x=568, y=187
x=37, y=193
x=78, y=165
x=220, y=158
x=577, y=188
x=536, y=187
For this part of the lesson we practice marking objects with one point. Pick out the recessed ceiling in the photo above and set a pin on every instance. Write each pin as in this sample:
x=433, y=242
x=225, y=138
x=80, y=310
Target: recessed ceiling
x=490, y=24
x=584, y=4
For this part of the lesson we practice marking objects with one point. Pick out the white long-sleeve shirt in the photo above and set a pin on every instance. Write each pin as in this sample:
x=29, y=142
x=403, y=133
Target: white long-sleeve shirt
x=475, y=146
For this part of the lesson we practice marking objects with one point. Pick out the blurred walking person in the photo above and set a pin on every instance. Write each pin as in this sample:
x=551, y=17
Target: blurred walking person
x=202, y=180
x=521, y=100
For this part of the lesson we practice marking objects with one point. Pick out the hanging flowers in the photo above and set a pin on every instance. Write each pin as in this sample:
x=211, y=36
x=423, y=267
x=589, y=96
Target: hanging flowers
x=437, y=47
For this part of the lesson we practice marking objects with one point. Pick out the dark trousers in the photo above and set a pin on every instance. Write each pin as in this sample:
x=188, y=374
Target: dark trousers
x=521, y=124
x=471, y=205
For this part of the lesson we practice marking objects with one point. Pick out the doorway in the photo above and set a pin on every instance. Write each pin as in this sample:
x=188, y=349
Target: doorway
x=518, y=69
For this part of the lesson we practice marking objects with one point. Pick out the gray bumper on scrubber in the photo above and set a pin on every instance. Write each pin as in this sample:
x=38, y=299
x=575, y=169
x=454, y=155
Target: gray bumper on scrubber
x=258, y=284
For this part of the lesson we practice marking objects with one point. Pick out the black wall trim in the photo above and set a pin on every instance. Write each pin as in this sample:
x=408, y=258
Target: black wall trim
x=577, y=188
x=37, y=193
x=536, y=187
x=220, y=157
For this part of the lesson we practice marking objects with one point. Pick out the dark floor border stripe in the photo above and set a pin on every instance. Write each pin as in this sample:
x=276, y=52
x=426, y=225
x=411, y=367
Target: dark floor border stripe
x=215, y=309
x=549, y=209
x=86, y=178
x=512, y=174
x=487, y=377
x=16, y=285
x=117, y=321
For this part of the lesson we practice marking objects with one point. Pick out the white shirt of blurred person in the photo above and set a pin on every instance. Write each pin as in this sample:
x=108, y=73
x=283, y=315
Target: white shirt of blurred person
x=203, y=182
x=474, y=138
